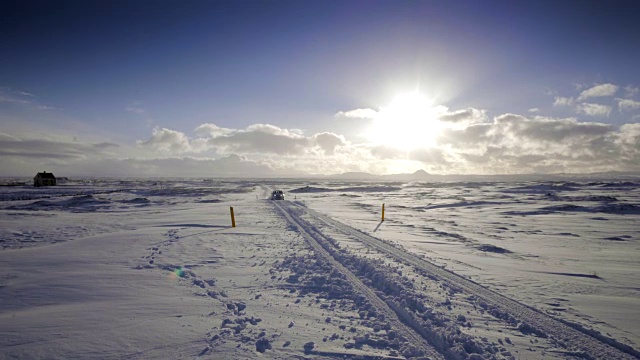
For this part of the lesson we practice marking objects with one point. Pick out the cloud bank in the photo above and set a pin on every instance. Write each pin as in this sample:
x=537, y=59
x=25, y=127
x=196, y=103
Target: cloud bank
x=457, y=141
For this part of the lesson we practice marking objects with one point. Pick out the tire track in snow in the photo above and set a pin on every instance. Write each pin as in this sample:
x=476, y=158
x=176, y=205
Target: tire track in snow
x=594, y=345
x=315, y=238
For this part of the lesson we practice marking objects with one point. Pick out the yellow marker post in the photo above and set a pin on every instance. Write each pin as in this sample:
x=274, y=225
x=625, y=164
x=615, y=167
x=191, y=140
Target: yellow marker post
x=382, y=212
x=233, y=218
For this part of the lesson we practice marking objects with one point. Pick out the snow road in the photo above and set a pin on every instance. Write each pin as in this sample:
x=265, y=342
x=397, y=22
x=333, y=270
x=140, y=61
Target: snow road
x=573, y=337
x=321, y=245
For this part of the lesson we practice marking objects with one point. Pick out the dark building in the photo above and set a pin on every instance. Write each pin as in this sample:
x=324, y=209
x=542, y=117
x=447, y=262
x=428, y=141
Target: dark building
x=44, y=179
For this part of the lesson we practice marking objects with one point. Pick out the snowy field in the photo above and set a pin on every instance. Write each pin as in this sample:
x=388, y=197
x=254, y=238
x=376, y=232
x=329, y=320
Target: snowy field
x=115, y=269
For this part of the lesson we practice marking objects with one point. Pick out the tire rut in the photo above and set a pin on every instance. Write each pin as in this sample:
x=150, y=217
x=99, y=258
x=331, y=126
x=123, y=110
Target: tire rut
x=593, y=344
x=316, y=240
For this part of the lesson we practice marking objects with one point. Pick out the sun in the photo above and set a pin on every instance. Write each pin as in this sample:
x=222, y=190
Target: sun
x=409, y=122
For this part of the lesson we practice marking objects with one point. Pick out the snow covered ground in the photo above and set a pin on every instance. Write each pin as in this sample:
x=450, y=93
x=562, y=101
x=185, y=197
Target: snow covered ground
x=153, y=269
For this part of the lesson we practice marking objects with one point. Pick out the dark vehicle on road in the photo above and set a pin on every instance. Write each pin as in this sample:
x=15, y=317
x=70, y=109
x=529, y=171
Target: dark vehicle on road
x=277, y=195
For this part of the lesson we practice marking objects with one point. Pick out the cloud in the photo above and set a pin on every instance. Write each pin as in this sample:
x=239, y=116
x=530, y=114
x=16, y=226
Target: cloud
x=8, y=95
x=469, y=116
x=25, y=156
x=212, y=130
x=267, y=139
x=257, y=140
x=387, y=152
x=534, y=110
x=429, y=156
x=598, y=91
x=135, y=109
x=229, y=166
x=106, y=145
x=274, y=130
x=328, y=141
x=629, y=135
x=631, y=91
x=563, y=101
x=358, y=114
x=260, y=139
x=468, y=141
x=593, y=109
x=628, y=143
x=49, y=149
x=627, y=104
x=471, y=135
x=45, y=107
x=8, y=137
x=10, y=99
x=517, y=144
x=168, y=141
x=548, y=129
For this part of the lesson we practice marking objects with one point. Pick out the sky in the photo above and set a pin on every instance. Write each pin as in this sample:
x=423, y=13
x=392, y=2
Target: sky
x=290, y=88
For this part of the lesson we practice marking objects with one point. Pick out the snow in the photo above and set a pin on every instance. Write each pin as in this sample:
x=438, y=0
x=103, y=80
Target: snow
x=116, y=268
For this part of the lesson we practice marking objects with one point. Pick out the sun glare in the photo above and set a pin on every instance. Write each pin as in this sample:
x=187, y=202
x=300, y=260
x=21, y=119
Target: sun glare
x=408, y=122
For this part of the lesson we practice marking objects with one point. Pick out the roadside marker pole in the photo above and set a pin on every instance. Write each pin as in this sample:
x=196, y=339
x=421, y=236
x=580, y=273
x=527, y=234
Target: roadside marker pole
x=233, y=218
x=382, y=212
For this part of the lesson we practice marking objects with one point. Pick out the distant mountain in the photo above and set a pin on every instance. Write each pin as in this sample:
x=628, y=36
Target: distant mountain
x=354, y=175
x=422, y=175
x=419, y=175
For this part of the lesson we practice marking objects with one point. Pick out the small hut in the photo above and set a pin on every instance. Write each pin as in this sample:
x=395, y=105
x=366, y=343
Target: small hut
x=44, y=179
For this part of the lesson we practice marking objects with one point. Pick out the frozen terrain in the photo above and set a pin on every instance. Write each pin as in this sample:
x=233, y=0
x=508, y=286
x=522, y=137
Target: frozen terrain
x=112, y=269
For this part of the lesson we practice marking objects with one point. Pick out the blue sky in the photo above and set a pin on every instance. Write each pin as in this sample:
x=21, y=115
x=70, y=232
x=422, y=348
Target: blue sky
x=204, y=88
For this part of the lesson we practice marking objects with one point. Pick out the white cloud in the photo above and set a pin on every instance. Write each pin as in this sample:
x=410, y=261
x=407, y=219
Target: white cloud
x=516, y=144
x=593, y=109
x=628, y=104
x=534, y=110
x=229, y=166
x=135, y=109
x=511, y=143
x=7, y=137
x=257, y=140
x=274, y=130
x=40, y=148
x=328, y=141
x=168, y=141
x=631, y=91
x=358, y=114
x=10, y=99
x=8, y=95
x=45, y=107
x=467, y=116
x=598, y=91
x=468, y=141
x=212, y=130
x=563, y=101
x=630, y=135
x=260, y=139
